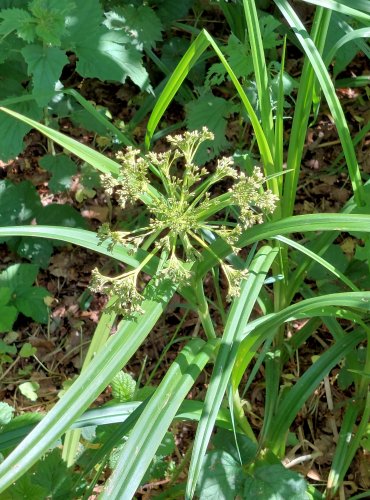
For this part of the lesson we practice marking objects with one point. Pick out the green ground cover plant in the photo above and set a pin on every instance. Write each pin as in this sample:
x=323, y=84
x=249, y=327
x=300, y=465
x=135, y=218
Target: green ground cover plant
x=188, y=234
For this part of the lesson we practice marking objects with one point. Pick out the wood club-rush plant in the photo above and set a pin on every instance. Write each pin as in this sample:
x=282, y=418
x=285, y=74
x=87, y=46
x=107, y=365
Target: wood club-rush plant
x=197, y=220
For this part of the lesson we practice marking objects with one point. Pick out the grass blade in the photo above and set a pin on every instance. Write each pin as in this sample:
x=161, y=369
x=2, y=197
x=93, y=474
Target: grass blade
x=329, y=91
x=85, y=389
x=352, y=8
x=237, y=318
x=260, y=69
x=152, y=425
x=306, y=384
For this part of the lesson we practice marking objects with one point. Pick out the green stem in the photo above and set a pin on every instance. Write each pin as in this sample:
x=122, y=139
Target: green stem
x=203, y=310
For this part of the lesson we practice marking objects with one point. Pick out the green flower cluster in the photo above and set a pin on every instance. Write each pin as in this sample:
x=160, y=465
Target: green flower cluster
x=179, y=214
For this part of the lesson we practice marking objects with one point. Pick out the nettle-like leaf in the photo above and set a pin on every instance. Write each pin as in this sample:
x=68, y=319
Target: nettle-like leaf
x=45, y=64
x=18, y=20
x=8, y=313
x=123, y=387
x=60, y=215
x=12, y=131
x=51, y=19
x=239, y=58
x=221, y=477
x=53, y=475
x=62, y=169
x=110, y=56
x=215, y=111
x=18, y=203
x=270, y=38
x=103, y=54
x=24, y=488
x=26, y=298
x=275, y=482
x=141, y=24
x=169, y=11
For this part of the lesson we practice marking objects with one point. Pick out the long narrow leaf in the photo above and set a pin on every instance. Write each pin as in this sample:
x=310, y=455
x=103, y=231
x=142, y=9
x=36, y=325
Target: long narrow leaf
x=306, y=384
x=257, y=331
x=352, y=8
x=152, y=425
x=289, y=225
x=329, y=91
x=181, y=71
x=87, y=154
x=260, y=68
x=82, y=238
x=237, y=319
x=85, y=389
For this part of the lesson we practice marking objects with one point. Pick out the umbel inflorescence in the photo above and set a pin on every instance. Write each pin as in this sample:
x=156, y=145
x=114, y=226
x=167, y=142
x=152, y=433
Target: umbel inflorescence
x=181, y=213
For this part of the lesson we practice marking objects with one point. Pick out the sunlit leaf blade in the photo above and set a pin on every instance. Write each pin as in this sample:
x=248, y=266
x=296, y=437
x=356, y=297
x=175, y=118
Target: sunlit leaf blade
x=260, y=67
x=257, y=331
x=80, y=237
x=329, y=91
x=87, y=154
x=306, y=384
x=199, y=45
x=191, y=56
x=237, y=319
x=289, y=225
x=348, y=7
x=118, y=350
x=152, y=425
x=106, y=415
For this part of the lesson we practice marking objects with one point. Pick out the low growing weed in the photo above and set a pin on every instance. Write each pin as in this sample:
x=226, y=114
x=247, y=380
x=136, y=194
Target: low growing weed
x=192, y=230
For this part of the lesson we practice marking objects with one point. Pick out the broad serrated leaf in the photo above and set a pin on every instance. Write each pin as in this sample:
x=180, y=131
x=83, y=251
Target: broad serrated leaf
x=31, y=303
x=224, y=440
x=221, y=477
x=83, y=21
x=24, y=488
x=8, y=315
x=275, y=482
x=211, y=111
x=141, y=24
x=51, y=19
x=169, y=11
x=5, y=295
x=60, y=215
x=37, y=250
x=240, y=59
x=45, y=64
x=18, y=20
x=123, y=387
x=62, y=169
x=29, y=390
x=90, y=178
x=6, y=413
x=18, y=277
x=167, y=445
x=53, y=475
x=18, y=203
x=110, y=56
x=12, y=131
x=270, y=38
